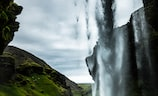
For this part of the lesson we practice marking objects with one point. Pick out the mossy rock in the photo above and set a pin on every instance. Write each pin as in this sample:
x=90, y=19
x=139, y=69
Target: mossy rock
x=7, y=69
x=8, y=24
x=29, y=67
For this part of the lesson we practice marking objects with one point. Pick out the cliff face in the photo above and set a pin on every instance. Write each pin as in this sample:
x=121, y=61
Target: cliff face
x=140, y=51
x=8, y=24
x=23, y=74
x=151, y=10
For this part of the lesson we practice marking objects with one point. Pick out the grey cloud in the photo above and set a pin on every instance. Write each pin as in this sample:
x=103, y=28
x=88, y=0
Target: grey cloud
x=49, y=30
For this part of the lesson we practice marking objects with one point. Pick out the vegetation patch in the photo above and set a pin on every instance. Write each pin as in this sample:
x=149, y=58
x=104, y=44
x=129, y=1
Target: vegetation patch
x=33, y=77
x=33, y=85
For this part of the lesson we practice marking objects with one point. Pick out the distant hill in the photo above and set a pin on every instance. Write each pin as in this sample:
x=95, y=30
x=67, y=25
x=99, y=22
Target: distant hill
x=23, y=74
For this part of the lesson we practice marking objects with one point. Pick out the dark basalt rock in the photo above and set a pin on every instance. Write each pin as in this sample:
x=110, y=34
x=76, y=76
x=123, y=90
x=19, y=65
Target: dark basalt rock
x=7, y=69
x=91, y=62
x=151, y=12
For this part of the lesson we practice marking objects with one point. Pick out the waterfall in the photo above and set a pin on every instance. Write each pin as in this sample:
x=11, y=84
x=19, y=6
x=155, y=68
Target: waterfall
x=116, y=58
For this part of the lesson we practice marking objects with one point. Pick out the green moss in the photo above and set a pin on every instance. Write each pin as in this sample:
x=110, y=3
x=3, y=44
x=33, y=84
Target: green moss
x=35, y=85
x=9, y=90
x=46, y=86
x=29, y=62
x=4, y=17
x=6, y=34
x=29, y=66
x=8, y=54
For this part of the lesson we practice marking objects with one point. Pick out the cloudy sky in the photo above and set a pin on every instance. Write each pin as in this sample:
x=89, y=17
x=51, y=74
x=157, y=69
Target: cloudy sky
x=55, y=31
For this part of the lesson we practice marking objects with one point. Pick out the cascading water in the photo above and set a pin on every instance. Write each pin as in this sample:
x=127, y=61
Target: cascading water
x=118, y=57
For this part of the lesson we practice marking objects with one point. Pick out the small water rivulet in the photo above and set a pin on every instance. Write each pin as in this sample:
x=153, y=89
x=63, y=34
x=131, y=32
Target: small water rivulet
x=121, y=64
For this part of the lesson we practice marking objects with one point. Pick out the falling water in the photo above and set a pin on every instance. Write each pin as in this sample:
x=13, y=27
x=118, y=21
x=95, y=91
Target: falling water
x=112, y=51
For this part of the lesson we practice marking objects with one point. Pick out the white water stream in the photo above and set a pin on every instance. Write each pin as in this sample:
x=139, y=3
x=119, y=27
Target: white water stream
x=110, y=74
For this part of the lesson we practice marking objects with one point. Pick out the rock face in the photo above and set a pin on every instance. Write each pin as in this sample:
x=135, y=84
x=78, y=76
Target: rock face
x=151, y=10
x=8, y=24
x=140, y=51
x=91, y=62
x=7, y=69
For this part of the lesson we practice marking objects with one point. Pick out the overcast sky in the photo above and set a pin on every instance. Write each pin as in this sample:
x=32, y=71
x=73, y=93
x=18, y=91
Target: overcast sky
x=55, y=31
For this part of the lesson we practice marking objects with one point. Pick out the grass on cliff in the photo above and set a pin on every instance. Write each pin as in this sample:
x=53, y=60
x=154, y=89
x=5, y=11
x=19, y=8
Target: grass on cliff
x=30, y=80
x=34, y=85
x=87, y=89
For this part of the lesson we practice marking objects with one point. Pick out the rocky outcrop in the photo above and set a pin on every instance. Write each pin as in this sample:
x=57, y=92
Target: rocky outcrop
x=151, y=9
x=91, y=62
x=7, y=69
x=8, y=24
x=21, y=56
